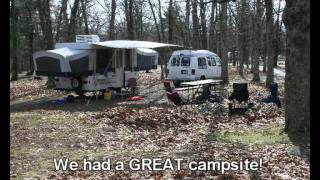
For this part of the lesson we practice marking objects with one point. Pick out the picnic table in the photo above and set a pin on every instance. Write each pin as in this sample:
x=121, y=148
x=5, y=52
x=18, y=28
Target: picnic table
x=199, y=83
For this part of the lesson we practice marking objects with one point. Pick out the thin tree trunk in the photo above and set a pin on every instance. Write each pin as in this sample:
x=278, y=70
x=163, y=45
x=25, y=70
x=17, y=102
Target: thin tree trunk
x=212, y=28
x=195, y=25
x=155, y=21
x=223, y=25
x=296, y=18
x=84, y=14
x=270, y=41
x=61, y=19
x=203, y=25
x=170, y=22
x=46, y=26
x=188, y=36
x=112, y=19
x=257, y=41
x=73, y=18
x=14, y=57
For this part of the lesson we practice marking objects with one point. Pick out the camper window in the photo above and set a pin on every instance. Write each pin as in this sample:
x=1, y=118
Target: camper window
x=175, y=61
x=185, y=61
x=218, y=61
x=202, y=63
x=213, y=61
x=209, y=61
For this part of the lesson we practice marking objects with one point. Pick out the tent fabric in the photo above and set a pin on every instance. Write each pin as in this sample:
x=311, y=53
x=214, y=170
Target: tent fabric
x=129, y=44
x=65, y=53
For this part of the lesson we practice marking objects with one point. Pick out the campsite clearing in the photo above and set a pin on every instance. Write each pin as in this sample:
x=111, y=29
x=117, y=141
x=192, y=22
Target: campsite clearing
x=41, y=130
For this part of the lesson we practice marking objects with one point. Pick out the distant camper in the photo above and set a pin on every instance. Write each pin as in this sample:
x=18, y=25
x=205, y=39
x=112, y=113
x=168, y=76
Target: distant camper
x=188, y=65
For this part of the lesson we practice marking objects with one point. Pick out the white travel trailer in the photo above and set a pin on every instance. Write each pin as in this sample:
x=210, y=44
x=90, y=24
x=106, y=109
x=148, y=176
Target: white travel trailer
x=189, y=65
x=90, y=65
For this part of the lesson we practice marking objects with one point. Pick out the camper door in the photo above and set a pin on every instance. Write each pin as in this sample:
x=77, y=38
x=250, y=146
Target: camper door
x=202, y=67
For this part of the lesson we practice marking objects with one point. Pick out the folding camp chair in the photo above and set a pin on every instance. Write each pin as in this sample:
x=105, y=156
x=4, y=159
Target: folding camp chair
x=173, y=95
x=240, y=94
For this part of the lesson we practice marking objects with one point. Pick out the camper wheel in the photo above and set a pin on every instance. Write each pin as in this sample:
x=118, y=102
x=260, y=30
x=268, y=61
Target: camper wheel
x=76, y=83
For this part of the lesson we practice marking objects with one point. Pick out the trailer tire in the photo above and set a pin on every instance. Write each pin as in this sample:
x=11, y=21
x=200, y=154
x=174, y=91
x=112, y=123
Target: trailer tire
x=202, y=77
x=76, y=83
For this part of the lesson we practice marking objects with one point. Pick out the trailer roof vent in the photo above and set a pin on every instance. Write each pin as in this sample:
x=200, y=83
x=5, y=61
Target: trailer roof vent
x=87, y=38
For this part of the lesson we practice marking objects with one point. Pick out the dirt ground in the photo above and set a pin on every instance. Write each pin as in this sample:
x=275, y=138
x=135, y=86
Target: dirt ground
x=41, y=130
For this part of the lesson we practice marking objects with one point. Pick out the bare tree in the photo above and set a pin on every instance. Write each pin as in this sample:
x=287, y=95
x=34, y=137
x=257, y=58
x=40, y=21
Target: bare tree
x=46, y=27
x=296, y=18
x=203, y=25
x=84, y=15
x=270, y=41
x=223, y=26
x=187, y=24
x=13, y=37
x=112, y=19
x=195, y=25
x=257, y=41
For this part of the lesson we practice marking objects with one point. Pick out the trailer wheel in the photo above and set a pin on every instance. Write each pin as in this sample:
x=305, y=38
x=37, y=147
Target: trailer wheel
x=202, y=77
x=76, y=83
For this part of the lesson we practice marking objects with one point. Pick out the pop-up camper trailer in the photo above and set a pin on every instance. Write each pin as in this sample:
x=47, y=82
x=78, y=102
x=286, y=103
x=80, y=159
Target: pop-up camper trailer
x=90, y=65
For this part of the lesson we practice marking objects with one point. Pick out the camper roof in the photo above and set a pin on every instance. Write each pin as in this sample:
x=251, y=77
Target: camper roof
x=62, y=52
x=118, y=44
x=129, y=44
x=193, y=52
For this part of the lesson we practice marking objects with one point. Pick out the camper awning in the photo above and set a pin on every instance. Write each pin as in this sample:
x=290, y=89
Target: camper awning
x=129, y=44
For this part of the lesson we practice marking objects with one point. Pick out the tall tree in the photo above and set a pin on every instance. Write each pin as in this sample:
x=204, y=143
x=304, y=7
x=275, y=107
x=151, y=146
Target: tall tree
x=62, y=20
x=84, y=15
x=212, y=28
x=13, y=37
x=203, y=25
x=187, y=24
x=195, y=25
x=155, y=20
x=277, y=36
x=46, y=27
x=257, y=41
x=170, y=22
x=112, y=19
x=224, y=51
x=270, y=41
x=243, y=36
x=73, y=20
x=296, y=18
x=129, y=19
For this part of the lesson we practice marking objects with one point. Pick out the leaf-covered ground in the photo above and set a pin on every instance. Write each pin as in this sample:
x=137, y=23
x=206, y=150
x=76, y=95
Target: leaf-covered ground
x=41, y=130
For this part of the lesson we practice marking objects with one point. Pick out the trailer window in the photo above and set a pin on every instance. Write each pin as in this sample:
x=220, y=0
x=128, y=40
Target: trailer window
x=213, y=61
x=202, y=63
x=218, y=61
x=175, y=61
x=185, y=61
x=209, y=61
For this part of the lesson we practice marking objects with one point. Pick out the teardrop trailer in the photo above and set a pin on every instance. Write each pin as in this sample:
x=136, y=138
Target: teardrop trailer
x=89, y=65
x=190, y=65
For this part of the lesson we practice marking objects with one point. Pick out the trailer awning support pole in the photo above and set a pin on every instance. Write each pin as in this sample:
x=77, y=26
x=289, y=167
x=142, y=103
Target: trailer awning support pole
x=95, y=74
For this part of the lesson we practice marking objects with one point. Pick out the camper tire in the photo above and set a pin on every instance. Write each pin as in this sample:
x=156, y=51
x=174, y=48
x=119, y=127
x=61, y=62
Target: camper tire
x=76, y=83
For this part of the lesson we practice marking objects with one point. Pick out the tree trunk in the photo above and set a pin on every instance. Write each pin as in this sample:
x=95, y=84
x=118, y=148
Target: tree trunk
x=212, y=28
x=203, y=25
x=84, y=14
x=73, y=18
x=257, y=42
x=155, y=20
x=243, y=40
x=195, y=25
x=112, y=19
x=188, y=36
x=61, y=19
x=224, y=56
x=277, y=37
x=46, y=26
x=270, y=41
x=296, y=18
x=170, y=22
x=13, y=54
